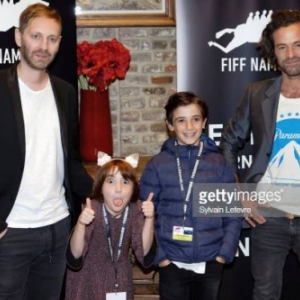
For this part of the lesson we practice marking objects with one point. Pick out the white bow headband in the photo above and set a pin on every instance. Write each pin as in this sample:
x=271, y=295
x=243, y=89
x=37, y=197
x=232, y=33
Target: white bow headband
x=132, y=159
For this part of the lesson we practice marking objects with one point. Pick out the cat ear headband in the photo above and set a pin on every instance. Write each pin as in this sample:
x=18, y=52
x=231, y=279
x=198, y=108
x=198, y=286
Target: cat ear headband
x=132, y=159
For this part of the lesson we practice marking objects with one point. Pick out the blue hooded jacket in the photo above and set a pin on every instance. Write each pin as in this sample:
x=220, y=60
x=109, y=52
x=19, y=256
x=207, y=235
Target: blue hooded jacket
x=212, y=236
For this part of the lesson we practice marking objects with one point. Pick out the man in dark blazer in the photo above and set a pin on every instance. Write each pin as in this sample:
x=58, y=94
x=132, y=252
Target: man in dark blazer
x=41, y=169
x=270, y=109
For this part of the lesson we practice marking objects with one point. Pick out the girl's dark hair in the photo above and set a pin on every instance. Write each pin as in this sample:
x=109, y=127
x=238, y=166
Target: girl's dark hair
x=183, y=99
x=279, y=19
x=113, y=166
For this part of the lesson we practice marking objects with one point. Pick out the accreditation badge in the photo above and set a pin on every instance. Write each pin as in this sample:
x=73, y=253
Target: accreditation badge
x=181, y=233
x=116, y=296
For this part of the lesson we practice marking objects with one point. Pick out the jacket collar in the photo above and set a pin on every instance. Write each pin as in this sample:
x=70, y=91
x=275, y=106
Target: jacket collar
x=269, y=109
x=12, y=80
x=61, y=114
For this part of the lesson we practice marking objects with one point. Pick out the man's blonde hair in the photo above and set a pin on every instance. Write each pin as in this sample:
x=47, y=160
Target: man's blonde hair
x=38, y=10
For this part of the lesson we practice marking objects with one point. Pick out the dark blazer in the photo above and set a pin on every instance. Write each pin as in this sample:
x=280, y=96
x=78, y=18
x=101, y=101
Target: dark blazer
x=12, y=140
x=256, y=113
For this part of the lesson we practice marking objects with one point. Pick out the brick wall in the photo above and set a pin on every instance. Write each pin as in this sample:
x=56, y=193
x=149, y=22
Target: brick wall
x=137, y=102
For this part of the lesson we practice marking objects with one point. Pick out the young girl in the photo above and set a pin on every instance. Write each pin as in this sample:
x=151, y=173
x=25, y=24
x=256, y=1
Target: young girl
x=111, y=223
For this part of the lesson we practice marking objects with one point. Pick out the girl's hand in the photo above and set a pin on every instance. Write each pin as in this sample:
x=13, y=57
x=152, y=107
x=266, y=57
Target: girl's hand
x=88, y=214
x=148, y=207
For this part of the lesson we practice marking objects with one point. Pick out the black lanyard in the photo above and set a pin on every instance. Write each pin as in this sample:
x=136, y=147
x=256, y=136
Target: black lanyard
x=109, y=241
x=186, y=197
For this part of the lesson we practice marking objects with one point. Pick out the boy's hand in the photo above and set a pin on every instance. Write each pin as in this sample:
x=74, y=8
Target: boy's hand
x=148, y=207
x=2, y=233
x=220, y=260
x=88, y=214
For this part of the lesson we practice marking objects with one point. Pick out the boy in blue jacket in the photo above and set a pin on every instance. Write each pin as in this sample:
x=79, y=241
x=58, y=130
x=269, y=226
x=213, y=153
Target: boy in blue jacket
x=191, y=262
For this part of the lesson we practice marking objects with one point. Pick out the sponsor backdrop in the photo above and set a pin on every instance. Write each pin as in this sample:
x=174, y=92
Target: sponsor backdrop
x=217, y=58
x=64, y=65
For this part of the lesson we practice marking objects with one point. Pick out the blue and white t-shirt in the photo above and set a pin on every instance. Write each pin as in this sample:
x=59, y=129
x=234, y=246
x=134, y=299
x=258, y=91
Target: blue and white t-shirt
x=283, y=171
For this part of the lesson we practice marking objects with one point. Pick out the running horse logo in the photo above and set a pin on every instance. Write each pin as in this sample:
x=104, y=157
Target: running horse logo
x=10, y=12
x=249, y=32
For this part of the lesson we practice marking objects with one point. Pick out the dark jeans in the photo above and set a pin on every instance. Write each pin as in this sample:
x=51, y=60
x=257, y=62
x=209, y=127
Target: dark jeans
x=181, y=284
x=33, y=263
x=270, y=244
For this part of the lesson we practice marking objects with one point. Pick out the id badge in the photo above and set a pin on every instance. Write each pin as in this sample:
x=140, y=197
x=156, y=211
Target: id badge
x=116, y=296
x=181, y=233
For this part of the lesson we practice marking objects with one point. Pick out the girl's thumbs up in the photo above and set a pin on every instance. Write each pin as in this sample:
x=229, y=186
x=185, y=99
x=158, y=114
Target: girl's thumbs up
x=148, y=207
x=88, y=214
x=150, y=197
x=88, y=203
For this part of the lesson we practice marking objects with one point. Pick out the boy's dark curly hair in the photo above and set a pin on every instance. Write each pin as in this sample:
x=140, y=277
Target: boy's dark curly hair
x=182, y=99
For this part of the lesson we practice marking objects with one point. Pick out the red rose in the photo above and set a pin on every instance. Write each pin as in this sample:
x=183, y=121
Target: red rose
x=101, y=63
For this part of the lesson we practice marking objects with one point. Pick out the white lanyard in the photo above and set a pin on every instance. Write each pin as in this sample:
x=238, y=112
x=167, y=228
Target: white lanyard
x=109, y=241
x=186, y=197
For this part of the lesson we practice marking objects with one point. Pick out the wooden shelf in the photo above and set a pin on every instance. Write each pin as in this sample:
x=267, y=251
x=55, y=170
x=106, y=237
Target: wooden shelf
x=145, y=282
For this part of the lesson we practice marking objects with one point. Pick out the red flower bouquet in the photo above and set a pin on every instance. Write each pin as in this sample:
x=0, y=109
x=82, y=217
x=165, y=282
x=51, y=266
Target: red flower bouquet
x=101, y=63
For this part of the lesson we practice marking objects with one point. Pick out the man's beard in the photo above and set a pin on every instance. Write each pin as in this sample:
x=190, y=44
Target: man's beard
x=290, y=70
x=29, y=58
